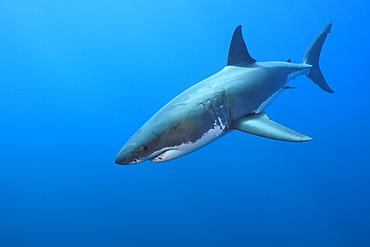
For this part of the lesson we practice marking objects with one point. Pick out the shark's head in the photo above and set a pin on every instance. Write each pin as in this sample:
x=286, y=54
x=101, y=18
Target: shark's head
x=165, y=137
x=157, y=146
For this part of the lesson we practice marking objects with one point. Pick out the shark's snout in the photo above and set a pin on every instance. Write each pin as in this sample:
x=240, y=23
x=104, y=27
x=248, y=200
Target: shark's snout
x=122, y=159
x=137, y=149
x=129, y=155
x=125, y=157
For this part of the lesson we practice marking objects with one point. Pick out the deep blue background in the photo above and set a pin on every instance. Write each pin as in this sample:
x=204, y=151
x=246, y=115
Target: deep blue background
x=78, y=78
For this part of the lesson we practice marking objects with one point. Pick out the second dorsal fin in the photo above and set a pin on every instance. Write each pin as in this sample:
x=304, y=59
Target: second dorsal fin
x=238, y=52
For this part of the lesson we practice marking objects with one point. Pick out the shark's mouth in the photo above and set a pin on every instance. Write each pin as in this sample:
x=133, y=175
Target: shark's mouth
x=160, y=157
x=170, y=153
x=136, y=161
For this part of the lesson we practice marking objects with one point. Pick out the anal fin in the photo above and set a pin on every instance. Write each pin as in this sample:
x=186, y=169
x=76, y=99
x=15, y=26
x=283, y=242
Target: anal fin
x=259, y=124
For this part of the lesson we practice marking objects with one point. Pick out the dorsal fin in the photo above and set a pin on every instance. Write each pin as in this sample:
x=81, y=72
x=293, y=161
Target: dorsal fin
x=238, y=52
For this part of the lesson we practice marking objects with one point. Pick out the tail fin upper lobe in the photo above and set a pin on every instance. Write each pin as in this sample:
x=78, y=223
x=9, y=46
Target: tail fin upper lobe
x=312, y=58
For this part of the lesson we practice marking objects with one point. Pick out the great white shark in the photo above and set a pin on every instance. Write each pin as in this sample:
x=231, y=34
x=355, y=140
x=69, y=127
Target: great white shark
x=235, y=98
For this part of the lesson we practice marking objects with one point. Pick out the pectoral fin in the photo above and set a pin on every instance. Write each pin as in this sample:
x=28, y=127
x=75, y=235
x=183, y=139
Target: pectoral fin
x=259, y=124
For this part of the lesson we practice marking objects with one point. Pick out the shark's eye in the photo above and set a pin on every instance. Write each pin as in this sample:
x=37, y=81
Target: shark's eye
x=145, y=148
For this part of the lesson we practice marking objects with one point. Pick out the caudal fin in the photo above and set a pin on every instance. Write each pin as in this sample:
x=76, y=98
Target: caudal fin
x=312, y=58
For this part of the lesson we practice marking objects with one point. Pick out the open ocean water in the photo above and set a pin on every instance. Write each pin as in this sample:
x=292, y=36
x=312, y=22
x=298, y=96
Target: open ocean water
x=78, y=78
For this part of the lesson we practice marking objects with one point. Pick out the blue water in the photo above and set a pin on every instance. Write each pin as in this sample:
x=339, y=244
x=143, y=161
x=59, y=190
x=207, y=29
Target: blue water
x=78, y=78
